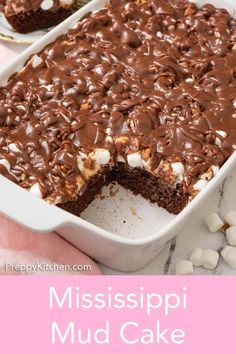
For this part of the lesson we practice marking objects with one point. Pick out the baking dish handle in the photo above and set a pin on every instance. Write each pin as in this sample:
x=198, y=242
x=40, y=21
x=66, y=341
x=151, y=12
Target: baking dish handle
x=28, y=210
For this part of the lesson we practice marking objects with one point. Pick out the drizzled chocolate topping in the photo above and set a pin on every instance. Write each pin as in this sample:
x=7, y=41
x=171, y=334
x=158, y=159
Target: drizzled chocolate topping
x=154, y=79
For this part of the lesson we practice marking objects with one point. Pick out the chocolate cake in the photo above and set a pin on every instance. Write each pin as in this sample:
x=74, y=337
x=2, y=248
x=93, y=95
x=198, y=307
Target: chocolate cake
x=30, y=15
x=141, y=92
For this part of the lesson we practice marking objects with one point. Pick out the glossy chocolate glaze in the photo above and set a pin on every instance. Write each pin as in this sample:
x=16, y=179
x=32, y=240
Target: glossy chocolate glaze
x=154, y=77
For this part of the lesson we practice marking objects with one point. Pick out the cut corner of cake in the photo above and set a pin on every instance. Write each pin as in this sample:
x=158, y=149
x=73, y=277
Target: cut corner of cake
x=27, y=16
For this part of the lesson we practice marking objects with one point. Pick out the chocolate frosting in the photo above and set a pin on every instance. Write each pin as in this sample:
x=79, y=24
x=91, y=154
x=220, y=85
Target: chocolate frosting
x=156, y=76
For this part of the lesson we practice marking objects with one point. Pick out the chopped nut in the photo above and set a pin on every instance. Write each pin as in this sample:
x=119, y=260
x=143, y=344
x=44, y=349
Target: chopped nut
x=64, y=169
x=79, y=181
x=207, y=175
x=191, y=10
x=84, y=106
x=23, y=177
x=149, y=24
x=224, y=228
x=140, y=2
x=122, y=140
x=166, y=81
x=146, y=154
x=88, y=163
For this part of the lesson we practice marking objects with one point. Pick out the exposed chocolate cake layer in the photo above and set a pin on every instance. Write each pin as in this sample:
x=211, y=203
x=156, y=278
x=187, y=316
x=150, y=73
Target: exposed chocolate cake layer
x=155, y=189
x=92, y=190
x=26, y=22
x=138, y=181
x=147, y=84
x=27, y=16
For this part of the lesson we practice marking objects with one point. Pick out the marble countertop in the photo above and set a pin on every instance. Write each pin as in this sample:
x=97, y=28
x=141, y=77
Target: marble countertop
x=194, y=234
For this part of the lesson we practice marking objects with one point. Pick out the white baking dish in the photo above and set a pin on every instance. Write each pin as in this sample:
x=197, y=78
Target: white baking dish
x=114, y=249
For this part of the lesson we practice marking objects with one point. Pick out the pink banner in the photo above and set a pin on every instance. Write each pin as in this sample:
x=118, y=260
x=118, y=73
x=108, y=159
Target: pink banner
x=117, y=315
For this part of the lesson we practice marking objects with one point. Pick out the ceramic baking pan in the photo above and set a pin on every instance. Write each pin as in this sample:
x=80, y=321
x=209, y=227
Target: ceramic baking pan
x=123, y=231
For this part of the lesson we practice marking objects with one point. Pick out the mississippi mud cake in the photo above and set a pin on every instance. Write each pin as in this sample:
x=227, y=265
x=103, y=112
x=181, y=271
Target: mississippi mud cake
x=141, y=92
x=30, y=15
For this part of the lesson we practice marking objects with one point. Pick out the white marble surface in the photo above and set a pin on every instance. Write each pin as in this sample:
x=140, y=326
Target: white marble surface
x=194, y=234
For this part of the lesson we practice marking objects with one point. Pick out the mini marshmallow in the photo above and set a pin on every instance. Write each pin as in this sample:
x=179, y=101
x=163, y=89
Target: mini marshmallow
x=35, y=190
x=102, y=156
x=36, y=61
x=177, y=168
x=196, y=257
x=217, y=34
x=189, y=79
x=6, y=164
x=80, y=163
x=108, y=131
x=214, y=222
x=231, y=235
x=184, y=267
x=221, y=133
x=210, y=259
x=207, y=175
x=120, y=159
x=200, y=185
x=82, y=155
x=135, y=160
x=229, y=256
x=159, y=34
x=109, y=140
x=47, y=4
x=215, y=169
x=13, y=148
x=66, y=3
x=188, y=145
x=230, y=218
x=218, y=141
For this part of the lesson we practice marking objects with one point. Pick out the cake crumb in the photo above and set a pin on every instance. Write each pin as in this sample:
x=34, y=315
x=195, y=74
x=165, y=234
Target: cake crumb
x=113, y=190
x=133, y=211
